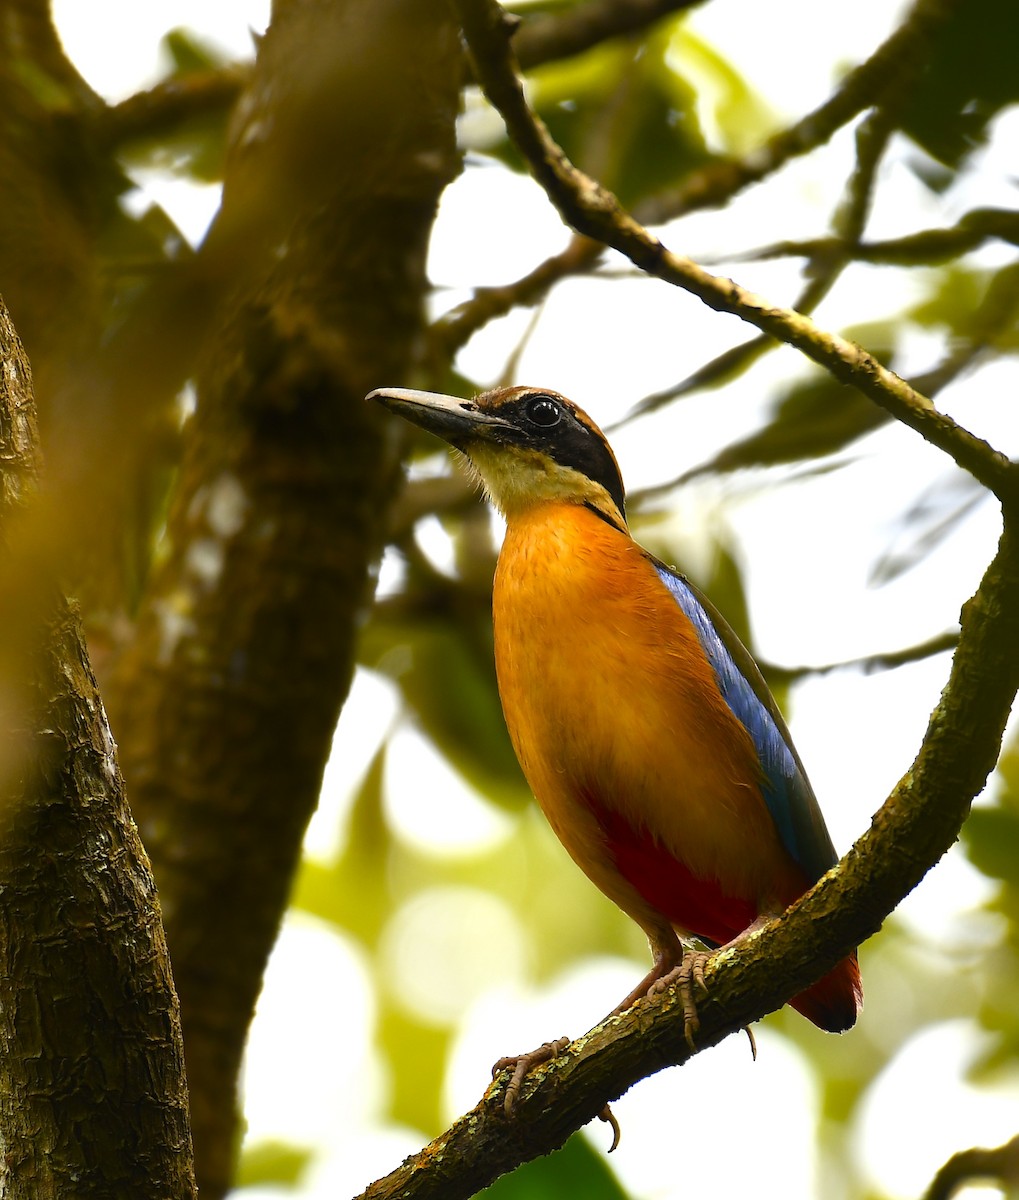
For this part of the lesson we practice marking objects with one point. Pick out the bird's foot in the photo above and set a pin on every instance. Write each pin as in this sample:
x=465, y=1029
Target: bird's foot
x=522, y=1064
x=678, y=966
x=686, y=976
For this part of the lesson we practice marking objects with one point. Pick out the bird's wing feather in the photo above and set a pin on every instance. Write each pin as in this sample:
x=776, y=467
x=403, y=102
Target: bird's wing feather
x=785, y=787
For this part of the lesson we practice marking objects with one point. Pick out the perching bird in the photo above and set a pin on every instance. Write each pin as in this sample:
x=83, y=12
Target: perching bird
x=642, y=725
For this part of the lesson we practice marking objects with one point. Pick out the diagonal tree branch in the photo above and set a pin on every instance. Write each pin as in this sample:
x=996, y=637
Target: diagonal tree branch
x=595, y=212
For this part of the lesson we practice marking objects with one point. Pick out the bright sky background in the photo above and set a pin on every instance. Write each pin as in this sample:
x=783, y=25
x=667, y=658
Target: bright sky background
x=317, y=1006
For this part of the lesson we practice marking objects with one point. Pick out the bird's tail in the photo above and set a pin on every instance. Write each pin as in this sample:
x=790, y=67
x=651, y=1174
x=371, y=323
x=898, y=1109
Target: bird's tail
x=834, y=1002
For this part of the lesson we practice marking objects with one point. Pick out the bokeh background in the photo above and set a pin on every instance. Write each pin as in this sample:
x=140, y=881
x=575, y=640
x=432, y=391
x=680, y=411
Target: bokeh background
x=434, y=923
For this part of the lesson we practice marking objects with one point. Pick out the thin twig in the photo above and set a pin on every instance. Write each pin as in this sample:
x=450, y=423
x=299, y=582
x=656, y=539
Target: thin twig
x=926, y=247
x=868, y=663
x=594, y=211
x=454, y=329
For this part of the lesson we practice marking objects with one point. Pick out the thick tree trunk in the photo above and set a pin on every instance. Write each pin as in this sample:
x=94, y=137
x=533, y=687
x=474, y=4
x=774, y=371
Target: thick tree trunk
x=93, y=1100
x=226, y=703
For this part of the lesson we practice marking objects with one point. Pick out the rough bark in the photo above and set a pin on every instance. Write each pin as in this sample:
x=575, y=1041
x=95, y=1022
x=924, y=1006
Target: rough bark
x=93, y=1100
x=226, y=702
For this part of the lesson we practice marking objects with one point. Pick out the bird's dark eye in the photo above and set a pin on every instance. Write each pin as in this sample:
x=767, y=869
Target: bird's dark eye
x=544, y=411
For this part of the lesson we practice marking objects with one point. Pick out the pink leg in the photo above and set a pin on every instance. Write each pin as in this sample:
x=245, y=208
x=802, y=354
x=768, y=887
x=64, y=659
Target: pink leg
x=668, y=954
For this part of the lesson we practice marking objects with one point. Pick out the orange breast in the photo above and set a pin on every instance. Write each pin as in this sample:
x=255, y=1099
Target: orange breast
x=622, y=732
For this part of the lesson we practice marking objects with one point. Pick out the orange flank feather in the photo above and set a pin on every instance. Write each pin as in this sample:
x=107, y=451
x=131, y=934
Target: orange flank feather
x=643, y=771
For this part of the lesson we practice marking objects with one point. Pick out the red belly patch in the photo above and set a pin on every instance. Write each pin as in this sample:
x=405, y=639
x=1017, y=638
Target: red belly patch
x=697, y=905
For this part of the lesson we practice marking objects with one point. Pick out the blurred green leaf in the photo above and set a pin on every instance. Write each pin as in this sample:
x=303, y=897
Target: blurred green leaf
x=622, y=112
x=928, y=523
x=991, y=839
x=195, y=150
x=991, y=834
x=977, y=305
x=533, y=8
x=969, y=76
x=274, y=1164
x=743, y=118
x=189, y=53
x=575, y=1170
x=814, y=418
x=416, y=1053
x=957, y=293
x=992, y=843
x=353, y=893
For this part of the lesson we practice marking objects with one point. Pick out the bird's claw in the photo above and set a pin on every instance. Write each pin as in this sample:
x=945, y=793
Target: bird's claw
x=522, y=1064
x=606, y=1114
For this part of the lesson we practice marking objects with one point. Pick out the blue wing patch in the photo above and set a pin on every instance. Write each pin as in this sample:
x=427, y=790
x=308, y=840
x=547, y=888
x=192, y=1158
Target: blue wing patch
x=785, y=787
